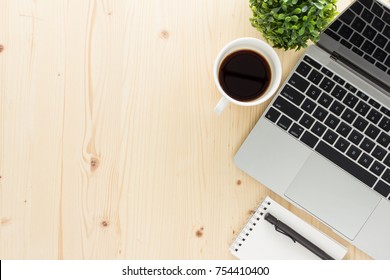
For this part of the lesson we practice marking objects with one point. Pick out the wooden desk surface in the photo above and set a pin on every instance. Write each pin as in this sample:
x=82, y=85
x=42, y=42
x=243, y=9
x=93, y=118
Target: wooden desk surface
x=109, y=146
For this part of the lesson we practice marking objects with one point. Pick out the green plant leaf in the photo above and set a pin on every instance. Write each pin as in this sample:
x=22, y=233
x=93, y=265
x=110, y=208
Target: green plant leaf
x=290, y=24
x=301, y=31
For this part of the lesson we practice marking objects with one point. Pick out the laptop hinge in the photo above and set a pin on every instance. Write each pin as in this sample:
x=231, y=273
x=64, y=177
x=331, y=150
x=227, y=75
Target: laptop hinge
x=334, y=56
x=368, y=77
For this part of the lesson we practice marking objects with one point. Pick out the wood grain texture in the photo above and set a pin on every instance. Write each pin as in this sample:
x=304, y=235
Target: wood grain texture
x=109, y=146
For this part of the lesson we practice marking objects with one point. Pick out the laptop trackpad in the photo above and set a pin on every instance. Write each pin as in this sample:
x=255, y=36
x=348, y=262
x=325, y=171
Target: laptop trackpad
x=332, y=195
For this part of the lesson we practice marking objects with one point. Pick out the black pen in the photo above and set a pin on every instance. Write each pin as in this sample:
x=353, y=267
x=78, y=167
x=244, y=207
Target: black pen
x=296, y=237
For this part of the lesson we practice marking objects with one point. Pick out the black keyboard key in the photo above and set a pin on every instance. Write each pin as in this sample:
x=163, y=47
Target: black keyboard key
x=386, y=176
x=332, y=121
x=348, y=116
x=325, y=100
x=308, y=105
x=367, y=3
x=377, y=168
x=327, y=72
x=337, y=108
x=344, y=129
x=387, y=160
x=306, y=121
x=309, y=139
x=284, y=122
x=378, y=24
x=381, y=66
x=272, y=114
x=320, y=113
x=362, y=95
x=387, y=62
x=347, y=16
x=365, y=160
x=296, y=130
x=372, y=131
x=358, y=24
x=385, y=111
x=369, y=33
x=299, y=82
x=303, y=69
x=350, y=100
x=368, y=47
x=327, y=84
x=357, y=51
x=379, y=54
x=292, y=95
x=386, y=32
x=318, y=129
x=330, y=136
x=357, y=7
x=377, y=10
x=386, y=17
x=287, y=108
x=357, y=40
x=332, y=34
x=338, y=79
x=346, y=43
x=313, y=92
x=374, y=103
x=342, y=144
x=380, y=41
x=315, y=76
x=367, y=16
x=345, y=31
x=369, y=59
x=354, y=152
x=385, y=124
x=379, y=153
x=355, y=137
x=335, y=25
x=384, y=139
x=312, y=62
x=374, y=116
x=362, y=108
x=360, y=123
x=350, y=87
x=367, y=145
x=348, y=165
x=382, y=188
x=338, y=92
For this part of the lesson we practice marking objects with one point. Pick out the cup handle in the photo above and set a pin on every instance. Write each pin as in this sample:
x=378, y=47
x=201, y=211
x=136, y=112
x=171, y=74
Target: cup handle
x=221, y=105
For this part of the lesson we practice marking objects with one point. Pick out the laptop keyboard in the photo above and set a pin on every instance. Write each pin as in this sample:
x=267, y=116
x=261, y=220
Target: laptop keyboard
x=337, y=120
x=365, y=29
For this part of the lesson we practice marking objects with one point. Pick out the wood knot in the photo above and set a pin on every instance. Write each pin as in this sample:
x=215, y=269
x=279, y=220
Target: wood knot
x=239, y=182
x=199, y=232
x=1, y=48
x=105, y=224
x=164, y=35
x=5, y=221
x=94, y=163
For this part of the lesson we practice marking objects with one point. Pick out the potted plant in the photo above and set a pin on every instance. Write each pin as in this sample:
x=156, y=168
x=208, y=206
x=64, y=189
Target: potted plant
x=290, y=24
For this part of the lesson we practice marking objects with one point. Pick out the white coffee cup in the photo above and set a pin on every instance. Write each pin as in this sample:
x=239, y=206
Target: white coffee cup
x=265, y=51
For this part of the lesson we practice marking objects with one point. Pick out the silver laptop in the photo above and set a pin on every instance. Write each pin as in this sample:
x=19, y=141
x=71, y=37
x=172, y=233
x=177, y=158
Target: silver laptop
x=323, y=142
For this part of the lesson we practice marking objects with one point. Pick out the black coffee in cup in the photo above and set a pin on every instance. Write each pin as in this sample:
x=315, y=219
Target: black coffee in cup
x=244, y=75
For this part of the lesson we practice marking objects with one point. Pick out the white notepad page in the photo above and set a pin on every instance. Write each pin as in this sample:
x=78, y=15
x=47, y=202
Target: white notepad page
x=259, y=239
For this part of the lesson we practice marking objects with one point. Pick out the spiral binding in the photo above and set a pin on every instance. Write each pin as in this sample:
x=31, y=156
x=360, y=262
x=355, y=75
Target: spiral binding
x=250, y=225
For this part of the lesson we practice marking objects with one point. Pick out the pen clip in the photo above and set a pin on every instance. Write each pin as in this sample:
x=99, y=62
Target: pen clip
x=283, y=232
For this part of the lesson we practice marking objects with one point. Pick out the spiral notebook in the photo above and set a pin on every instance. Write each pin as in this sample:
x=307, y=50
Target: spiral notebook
x=259, y=239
